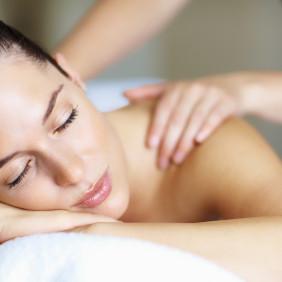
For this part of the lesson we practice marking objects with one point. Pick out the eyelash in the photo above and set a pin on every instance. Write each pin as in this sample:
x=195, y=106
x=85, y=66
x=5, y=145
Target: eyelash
x=21, y=176
x=68, y=122
x=63, y=127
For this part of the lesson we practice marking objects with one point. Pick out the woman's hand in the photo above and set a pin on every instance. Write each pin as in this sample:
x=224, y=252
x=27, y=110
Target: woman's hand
x=15, y=222
x=186, y=113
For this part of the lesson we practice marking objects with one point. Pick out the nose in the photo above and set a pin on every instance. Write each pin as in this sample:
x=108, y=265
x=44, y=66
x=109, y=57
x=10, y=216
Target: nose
x=66, y=167
x=69, y=172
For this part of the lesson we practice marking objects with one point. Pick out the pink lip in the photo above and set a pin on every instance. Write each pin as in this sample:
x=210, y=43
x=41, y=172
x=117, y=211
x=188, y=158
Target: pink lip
x=98, y=193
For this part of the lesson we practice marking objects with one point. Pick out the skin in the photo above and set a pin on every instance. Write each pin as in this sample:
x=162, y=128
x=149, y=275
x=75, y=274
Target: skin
x=186, y=114
x=242, y=174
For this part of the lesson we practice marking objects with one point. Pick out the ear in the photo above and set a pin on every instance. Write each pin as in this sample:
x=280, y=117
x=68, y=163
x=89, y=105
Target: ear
x=62, y=62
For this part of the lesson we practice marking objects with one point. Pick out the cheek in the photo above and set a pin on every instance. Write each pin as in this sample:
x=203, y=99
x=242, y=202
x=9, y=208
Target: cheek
x=107, y=141
x=90, y=131
x=118, y=203
x=39, y=194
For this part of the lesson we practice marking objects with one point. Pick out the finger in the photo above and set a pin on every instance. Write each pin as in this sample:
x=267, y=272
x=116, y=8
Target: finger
x=178, y=121
x=198, y=117
x=161, y=115
x=145, y=92
x=218, y=115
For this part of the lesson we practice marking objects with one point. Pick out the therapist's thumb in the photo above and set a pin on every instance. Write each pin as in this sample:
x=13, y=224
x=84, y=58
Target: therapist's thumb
x=145, y=92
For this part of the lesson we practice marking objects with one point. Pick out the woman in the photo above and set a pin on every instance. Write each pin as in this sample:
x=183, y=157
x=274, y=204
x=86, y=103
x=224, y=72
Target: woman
x=57, y=152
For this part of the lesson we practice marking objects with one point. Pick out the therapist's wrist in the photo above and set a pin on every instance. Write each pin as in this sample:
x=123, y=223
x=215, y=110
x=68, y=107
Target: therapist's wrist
x=250, y=97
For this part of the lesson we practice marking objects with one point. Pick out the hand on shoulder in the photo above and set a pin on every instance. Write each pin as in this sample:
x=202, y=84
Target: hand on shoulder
x=186, y=113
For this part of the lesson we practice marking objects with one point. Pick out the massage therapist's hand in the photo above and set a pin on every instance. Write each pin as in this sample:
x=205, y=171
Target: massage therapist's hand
x=15, y=222
x=187, y=112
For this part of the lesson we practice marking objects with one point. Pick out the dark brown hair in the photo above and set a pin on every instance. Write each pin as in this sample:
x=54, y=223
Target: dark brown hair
x=14, y=43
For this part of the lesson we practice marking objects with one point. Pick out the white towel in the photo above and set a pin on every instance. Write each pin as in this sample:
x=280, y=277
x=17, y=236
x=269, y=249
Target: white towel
x=77, y=257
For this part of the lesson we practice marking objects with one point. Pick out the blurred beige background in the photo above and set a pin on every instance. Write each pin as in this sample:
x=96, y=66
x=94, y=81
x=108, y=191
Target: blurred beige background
x=209, y=36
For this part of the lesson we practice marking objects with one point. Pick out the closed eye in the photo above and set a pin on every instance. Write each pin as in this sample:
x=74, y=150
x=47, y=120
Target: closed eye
x=68, y=122
x=23, y=174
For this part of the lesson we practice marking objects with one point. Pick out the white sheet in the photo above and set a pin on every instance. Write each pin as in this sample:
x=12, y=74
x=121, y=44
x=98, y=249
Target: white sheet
x=107, y=95
x=75, y=257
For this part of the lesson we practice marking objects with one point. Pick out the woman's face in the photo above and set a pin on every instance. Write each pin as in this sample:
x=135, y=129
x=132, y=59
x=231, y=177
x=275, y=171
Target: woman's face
x=56, y=150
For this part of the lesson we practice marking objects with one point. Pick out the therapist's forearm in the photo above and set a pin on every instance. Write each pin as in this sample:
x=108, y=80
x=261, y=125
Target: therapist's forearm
x=113, y=28
x=260, y=93
x=251, y=248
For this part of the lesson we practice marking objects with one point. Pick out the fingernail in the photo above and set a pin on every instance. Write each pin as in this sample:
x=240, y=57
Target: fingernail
x=154, y=141
x=178, y=157
x=163, y=162
x=201, y=136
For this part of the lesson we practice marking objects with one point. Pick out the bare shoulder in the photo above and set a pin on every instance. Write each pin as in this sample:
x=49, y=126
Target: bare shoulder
x=234, y=173
x=131, y=122
x=238, y=170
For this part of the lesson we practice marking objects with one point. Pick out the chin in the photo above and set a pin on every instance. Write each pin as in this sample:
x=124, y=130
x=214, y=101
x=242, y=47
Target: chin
x=117, y=202
x=115, y=209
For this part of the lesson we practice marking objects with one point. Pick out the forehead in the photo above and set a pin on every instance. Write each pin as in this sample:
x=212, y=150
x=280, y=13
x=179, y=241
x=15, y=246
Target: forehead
x=25, y=85
x=25, y=89
x=22, y=80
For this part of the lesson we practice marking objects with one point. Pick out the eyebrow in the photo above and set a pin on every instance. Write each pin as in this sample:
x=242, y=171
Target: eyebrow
x=52, y=103
x=49, y=110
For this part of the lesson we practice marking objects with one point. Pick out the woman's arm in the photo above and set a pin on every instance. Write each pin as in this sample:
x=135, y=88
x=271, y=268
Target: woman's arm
x=251, y=248
x=113, y=28
x=16, y=222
